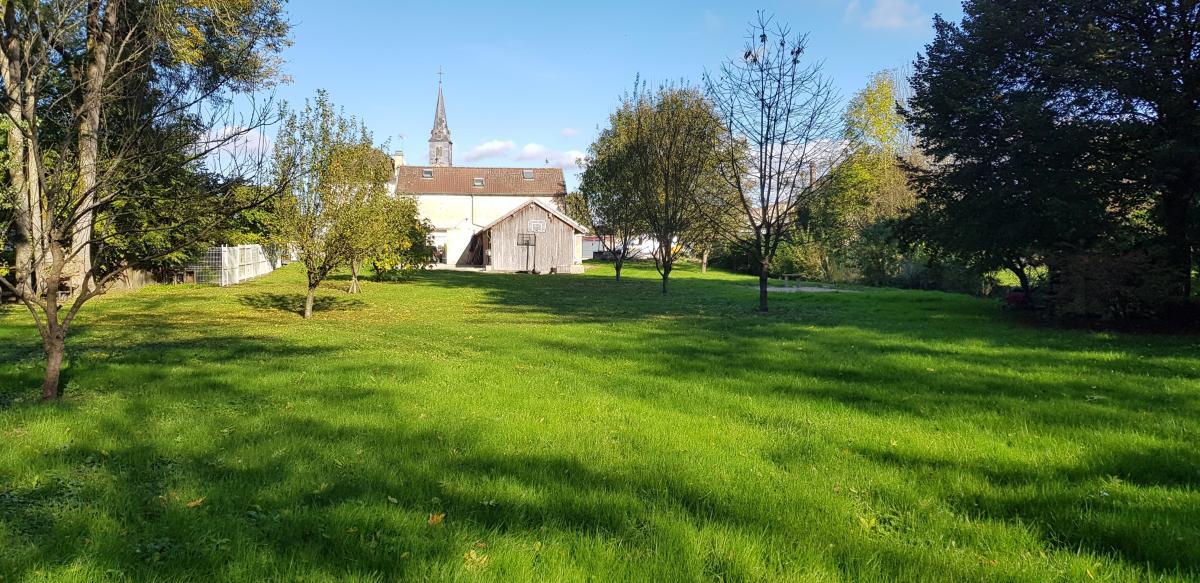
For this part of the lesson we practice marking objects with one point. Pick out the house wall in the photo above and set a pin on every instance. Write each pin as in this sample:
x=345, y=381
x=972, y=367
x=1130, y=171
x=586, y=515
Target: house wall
x=559, y=247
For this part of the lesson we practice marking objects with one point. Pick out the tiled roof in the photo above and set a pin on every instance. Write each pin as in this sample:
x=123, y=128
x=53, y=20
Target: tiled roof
x=496, y=181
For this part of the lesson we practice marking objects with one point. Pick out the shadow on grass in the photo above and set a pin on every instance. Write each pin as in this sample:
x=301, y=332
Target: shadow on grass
x=294, y=303
x=287, y=490
x=915, y=358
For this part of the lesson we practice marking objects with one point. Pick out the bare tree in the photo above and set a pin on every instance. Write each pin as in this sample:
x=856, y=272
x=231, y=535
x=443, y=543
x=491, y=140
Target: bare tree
x=101, y=98
x=782, y=134
x=673, y=154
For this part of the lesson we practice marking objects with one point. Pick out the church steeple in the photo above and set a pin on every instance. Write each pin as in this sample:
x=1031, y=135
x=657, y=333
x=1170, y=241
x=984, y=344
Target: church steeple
x=441, y=147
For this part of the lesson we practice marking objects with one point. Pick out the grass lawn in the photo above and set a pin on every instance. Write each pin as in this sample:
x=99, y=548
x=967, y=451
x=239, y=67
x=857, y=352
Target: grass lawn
x=502, y=427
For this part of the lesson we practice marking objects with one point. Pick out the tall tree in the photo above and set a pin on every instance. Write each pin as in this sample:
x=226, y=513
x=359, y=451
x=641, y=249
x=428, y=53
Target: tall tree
x=1053, y=127
x=331, y=173
x=673, y=153
x=104, y=99
x=781, y=131
x=361, y=172
x=607, y=200
x=869, y=188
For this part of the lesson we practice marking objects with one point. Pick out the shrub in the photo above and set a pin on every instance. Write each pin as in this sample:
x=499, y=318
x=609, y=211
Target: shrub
x=1110, y=284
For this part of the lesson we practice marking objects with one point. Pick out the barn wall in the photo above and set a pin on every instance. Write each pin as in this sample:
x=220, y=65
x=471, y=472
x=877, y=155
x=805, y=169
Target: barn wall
x=555, y=248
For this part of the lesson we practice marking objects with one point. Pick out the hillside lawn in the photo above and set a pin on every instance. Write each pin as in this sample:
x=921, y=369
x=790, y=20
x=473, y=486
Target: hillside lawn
x=506, y=427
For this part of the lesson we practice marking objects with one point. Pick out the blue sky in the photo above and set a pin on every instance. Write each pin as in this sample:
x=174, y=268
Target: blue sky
x=526, y=82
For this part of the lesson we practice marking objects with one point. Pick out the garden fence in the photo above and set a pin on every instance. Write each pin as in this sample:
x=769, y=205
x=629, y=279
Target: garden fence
x=228, y=265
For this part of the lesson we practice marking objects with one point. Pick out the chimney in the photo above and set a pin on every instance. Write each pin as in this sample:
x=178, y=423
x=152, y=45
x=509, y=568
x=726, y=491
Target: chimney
x=398, y=159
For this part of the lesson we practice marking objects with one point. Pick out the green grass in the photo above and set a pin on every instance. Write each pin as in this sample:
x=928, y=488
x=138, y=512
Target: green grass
x=575, y=428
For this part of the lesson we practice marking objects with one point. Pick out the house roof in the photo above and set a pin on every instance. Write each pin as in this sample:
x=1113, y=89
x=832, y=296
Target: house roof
x=553, y=211
x=496, y=181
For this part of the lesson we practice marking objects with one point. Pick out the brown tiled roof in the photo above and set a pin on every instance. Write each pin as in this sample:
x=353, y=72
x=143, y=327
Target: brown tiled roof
x=496, y=181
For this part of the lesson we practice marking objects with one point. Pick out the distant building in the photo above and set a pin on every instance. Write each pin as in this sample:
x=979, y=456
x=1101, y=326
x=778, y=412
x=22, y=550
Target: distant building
x=462, y=202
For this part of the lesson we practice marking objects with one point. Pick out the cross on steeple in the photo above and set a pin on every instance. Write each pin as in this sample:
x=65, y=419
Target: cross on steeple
x=439, y=74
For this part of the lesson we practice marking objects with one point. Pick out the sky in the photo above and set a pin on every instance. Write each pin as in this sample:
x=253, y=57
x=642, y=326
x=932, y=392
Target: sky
x=529, y=84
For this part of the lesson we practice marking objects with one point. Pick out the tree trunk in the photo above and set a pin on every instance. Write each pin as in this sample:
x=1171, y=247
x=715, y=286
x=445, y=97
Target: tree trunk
x=704, y=261
x=666, y=275
x=763, y=282
x=1179, y=249
x=308, y=302
x=354, y=277
x=620, y=262
x=1022, y=277
x=55, y=348
x=99, y=45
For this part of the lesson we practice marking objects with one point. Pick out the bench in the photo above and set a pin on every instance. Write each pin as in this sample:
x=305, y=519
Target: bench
x=793, y=278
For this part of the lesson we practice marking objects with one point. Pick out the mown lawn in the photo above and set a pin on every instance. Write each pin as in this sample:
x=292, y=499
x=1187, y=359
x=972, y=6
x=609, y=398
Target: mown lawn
x=501, y=427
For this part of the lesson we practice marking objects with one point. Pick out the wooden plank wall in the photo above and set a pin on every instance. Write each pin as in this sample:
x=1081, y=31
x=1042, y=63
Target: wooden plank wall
x=555, y=247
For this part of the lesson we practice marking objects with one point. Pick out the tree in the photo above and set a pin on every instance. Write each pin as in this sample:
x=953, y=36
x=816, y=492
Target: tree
x=781, y=135
x=332, y=174
x=719, y=222
x=607, y=200
x=673, y=153
x=109, y=104
x=849, y=221
x=1060, y=127
x=405, y=244
x=361, y=172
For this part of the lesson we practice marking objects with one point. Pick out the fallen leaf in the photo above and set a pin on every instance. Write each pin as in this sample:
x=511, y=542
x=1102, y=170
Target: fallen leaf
x=196, y=503
x=436, y=518
x=393, y=500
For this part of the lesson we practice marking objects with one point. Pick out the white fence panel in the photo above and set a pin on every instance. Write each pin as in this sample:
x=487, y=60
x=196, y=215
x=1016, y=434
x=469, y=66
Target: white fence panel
x=230, y=265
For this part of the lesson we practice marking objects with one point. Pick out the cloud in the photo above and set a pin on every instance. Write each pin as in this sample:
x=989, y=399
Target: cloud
x=888, y=15
x=530, y=154
x=490, y=149
x=569, y=132
x=234, y=149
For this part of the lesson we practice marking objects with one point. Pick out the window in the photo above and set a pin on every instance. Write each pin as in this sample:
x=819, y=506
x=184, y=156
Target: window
x=527, y=174
x=427, y=173
x=479, y=182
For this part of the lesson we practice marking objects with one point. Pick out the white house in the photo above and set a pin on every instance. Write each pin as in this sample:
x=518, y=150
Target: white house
x=461, y=201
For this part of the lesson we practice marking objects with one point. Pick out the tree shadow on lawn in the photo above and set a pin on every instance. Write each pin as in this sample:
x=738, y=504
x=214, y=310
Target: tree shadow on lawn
x=916, y=358
x=252, y=488
x=294, y=303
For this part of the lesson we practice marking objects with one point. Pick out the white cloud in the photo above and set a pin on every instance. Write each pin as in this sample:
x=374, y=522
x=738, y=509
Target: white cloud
x=531, y=154
x=533, y=151
x=491, y=149
x=566, y=160
x=569, y=132
x=895, y=14
x=888, y=14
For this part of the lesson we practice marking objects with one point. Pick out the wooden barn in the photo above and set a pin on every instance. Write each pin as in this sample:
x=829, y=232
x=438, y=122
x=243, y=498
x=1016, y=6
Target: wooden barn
x=533, y=238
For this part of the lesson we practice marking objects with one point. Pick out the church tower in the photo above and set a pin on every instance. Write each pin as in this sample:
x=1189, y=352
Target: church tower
x=441, y=148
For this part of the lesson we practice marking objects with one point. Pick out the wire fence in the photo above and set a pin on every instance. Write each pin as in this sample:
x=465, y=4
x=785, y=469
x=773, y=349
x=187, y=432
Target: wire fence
x=229, y=265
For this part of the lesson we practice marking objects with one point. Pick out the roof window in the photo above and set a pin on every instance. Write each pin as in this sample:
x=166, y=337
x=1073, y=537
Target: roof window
x=427, y=173
x=527, y=174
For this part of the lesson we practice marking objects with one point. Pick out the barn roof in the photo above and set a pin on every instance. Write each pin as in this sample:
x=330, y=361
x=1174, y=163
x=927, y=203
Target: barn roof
x=496, y=181
x=553, y=211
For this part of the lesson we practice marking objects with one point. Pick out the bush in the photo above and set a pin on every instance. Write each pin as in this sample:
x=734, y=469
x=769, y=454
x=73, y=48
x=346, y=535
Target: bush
x=1109, y=284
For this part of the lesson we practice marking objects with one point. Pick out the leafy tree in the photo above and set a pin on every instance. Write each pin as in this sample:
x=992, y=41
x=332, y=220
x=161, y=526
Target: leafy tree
x=608, y=200
x=405, y=244
x=848, y=222
x=673, y=146
x=111, y=104
x=360, y=172
x=333, y=177
x=1055, y=126
x=781, y=135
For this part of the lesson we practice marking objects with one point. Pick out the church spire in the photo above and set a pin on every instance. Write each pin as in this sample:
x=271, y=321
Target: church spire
x=441, y=147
